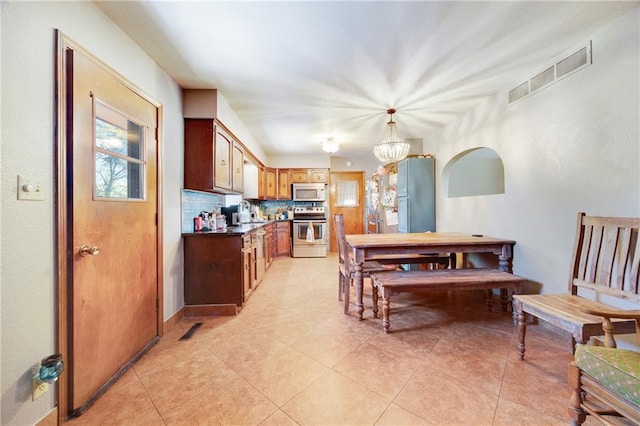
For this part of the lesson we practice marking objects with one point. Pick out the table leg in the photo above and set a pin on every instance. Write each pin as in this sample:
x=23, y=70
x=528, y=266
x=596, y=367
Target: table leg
x=489, y=299
x=504, y=299
x=504, y=258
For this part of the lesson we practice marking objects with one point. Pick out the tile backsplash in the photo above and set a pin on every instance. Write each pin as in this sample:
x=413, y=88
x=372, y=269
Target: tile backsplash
x=193, y=202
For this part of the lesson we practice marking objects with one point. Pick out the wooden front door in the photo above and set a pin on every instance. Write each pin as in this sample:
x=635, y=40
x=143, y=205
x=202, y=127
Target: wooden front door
x=346, y=196
x=113, y=243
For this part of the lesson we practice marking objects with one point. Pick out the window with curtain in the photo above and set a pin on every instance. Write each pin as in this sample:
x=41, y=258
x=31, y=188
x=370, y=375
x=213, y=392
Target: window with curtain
x=347, y=194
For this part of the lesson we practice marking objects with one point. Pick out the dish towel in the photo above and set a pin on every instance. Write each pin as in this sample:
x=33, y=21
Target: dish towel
x=310, y=237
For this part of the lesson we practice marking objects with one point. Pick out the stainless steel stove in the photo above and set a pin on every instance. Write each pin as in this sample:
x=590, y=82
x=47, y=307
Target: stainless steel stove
x=309, y=236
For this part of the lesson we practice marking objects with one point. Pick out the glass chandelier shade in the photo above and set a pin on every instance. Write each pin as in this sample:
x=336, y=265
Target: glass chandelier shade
x=330, y=145
x=393, y=148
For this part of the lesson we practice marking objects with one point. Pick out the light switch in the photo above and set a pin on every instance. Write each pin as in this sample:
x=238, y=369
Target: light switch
x=29, y=189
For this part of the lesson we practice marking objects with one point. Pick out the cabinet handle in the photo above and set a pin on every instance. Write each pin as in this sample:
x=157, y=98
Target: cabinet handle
x=223, y=163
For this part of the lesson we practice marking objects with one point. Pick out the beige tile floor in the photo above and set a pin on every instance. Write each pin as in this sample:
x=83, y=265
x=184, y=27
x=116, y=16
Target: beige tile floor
x=292, y=357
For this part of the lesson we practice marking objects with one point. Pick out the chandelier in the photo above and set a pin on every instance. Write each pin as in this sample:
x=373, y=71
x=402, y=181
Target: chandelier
x=393, y=148
x=330, y=145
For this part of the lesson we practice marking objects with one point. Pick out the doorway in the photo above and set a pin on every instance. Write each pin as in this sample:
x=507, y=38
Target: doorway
x=109, y=250
x=346, y=196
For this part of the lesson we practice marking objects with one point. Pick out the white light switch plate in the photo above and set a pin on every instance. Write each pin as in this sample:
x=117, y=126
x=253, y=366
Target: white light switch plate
x=29, y=189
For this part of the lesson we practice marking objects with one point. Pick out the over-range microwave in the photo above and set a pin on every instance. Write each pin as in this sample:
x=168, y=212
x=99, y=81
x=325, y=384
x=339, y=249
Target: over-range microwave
x=308, y=192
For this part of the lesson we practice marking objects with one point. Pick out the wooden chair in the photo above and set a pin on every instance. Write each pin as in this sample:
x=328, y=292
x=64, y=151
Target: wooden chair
x=605, y=262
x=347, y=266
x=605, y=381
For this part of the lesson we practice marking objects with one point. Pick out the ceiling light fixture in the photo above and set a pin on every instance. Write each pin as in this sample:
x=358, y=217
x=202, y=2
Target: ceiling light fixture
x=393, y=148
x=330, y=145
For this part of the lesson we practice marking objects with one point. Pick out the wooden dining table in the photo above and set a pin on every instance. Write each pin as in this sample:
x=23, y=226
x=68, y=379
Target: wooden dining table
x=368, y=246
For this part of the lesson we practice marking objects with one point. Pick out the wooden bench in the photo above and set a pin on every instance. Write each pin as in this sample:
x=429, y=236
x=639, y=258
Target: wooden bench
x=390, y=283
x=605, y=262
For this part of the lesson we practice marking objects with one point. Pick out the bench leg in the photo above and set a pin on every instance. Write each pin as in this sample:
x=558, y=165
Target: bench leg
x=374, y=299
x=522, y=329
x=386, y=308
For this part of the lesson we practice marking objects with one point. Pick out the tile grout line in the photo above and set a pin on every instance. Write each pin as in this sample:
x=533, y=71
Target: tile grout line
x=146, y=391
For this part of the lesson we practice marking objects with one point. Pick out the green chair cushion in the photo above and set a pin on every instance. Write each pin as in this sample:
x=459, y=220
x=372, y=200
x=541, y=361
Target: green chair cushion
x=617, y=369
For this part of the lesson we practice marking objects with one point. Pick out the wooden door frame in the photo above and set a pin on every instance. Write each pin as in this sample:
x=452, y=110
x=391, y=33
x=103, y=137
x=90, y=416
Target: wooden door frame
x=63, y=218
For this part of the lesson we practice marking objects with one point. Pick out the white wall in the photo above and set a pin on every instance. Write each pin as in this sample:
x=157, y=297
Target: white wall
x=235, y=125
x=572, y=147
x=28, y=326
x=298, y=160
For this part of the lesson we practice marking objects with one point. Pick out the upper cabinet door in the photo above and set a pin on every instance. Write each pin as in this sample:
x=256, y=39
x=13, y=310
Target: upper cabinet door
x=271, y=190
x=319, y=176
x=284, y=184
x=199, y=138
x=261, y=182
x=299, y=175
x=237, y=166
x=222, y=169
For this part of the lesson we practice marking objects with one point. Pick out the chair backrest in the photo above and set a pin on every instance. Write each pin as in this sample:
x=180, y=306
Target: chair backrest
x=606, y=256
x=341, y=240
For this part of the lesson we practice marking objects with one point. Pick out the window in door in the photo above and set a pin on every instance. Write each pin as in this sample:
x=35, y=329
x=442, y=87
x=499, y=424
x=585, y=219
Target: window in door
x=119, y=155
x=347, y=193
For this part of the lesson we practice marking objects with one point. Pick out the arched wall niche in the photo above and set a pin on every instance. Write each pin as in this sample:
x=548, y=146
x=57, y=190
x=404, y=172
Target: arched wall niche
x=476, y=171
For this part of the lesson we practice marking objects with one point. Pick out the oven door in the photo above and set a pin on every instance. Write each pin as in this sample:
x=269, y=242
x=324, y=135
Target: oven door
x=309, y=238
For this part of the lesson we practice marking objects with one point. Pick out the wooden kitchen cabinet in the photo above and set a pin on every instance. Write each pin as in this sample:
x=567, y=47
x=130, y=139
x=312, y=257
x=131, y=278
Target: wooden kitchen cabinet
x=283, y=238
x=212, y=158
x=309, y=175
x=299, y=175
x=319, y=175
x=284, y=184
x=215, y=270
x=269, y=239
x=261, y=182
x=222, y=159
x=270, y=181
x=249, y=277
x=237, y=168
x=225, y=269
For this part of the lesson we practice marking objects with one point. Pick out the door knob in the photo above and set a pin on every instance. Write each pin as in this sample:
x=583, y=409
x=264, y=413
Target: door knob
x=86, y=250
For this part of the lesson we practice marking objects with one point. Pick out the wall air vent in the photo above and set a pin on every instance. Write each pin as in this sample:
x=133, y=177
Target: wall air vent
x=559, y=70
x=519, y=92
x=573, y=62
x=545, y=78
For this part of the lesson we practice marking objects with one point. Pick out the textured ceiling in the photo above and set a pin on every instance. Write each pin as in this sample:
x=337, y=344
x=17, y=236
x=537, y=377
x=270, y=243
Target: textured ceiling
x=298, y=72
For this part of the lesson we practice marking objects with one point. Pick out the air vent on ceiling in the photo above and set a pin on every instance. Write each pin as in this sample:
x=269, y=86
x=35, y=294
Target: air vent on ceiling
x=560, y=69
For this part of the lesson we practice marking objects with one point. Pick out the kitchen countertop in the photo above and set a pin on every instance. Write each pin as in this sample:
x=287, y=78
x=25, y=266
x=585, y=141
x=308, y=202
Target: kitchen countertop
x=239, y=229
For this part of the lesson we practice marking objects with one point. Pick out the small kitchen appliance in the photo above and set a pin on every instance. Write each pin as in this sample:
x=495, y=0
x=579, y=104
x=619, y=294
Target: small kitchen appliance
x=244, y=212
